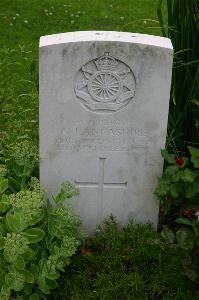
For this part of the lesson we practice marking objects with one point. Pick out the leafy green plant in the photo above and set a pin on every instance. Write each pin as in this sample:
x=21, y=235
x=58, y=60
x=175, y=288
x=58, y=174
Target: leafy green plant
x=21, y=159
x=186, y=238
x=178, y=191
x=182, y=27
x=37, y=239
x=178, y=188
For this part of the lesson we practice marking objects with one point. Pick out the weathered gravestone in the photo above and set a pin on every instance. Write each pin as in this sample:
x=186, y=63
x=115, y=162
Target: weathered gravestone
x=104, y=99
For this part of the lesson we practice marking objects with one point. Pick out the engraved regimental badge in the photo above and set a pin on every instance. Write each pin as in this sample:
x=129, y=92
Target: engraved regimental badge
x=105, y=84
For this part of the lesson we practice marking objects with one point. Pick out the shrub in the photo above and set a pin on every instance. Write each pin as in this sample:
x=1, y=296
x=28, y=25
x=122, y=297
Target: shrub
x=178, y=191
x=37, y=239
x=178, y=188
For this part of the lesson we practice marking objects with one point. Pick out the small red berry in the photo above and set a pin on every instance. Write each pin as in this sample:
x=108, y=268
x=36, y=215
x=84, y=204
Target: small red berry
x=188, y=213
x=179, y=161
x=84, y=250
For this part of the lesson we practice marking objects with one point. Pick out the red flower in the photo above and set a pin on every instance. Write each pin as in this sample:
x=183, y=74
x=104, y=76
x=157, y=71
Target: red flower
x=179, y=161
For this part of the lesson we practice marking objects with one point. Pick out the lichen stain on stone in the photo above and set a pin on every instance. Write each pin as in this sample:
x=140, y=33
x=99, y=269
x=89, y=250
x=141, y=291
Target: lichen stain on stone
x=71, y=50
x=44, y=51
x=51, y=154
x=152, y=125
x=64, y=51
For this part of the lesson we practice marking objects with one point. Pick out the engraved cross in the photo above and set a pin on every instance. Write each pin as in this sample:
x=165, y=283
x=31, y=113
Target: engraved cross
x=101, y=185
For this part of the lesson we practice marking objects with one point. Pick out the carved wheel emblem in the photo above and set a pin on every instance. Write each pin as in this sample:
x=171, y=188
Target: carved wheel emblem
x=105, y=84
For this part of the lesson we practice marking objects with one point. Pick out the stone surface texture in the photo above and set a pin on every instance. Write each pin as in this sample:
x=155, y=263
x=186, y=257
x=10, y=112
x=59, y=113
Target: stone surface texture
x=104, y=99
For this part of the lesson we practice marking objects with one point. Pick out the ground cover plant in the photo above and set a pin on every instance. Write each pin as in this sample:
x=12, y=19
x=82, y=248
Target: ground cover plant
x=129, y=263
x=37, y=239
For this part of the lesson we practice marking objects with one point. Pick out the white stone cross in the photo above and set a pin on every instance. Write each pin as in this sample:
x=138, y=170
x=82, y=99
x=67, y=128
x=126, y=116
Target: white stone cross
x=101, y=184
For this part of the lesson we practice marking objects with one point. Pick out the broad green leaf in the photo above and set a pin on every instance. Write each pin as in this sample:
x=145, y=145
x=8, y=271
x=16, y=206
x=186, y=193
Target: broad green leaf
x=3, y=264
x=168, y=235
x=34, y=235
x=177, y=177
x=54, y=248
x=34, y=270
x=29, y=277
x=191, y=274
x=194, y=156
x=27, y=289
x=49, y=242
x=52, y=276
x=28, y=169
x=6, y=290
x=171, y=170
x=60, y=265
x=195, y=162
x=16, y=222
x=18, y=169
x=186, y=221
x=37, y=217
x=2, y=278
x=188, y=175
x=192, y=190
x=20, y=263
x=23, y=169
x=170, y=158
x=15, y=281
x=3, y=185
x=3, y=230
x=60, y=198
x=42, y=261
x=52, y=284
x=2, y=242
x=4, y=204
x=163, y=188
x=34, y=296
x=29, y=255
x=175, y=190
x=55, y=227
x=185, y=238
x=43, y=286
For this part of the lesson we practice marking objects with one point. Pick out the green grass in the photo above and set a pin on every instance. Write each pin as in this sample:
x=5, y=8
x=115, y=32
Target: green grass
x=21, y=25
x=132, y=263
x=73, y=15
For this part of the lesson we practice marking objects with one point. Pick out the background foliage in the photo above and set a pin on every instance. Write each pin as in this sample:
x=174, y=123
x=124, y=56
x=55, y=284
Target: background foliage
x=182, y=27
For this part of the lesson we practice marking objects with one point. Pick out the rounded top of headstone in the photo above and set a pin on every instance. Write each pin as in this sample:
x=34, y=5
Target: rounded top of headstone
x=86, y=36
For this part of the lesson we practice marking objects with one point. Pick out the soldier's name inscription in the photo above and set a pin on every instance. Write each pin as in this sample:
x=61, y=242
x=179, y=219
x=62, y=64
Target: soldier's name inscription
x=103, y=135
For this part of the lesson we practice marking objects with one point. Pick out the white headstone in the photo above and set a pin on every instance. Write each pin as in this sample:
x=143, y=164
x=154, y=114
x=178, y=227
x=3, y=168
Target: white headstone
x=104, y=99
